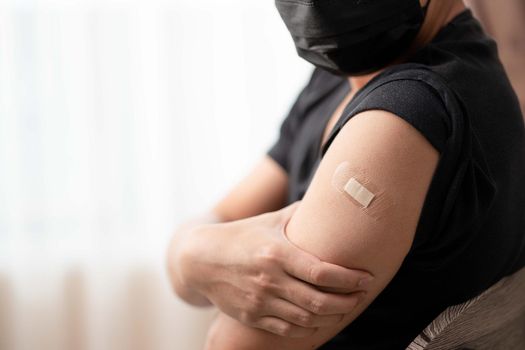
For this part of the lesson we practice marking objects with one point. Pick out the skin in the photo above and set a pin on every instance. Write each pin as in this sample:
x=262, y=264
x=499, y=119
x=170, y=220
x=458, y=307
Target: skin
x=248, y=269
x=237, y=258
x=267, y=182
x=354, y=239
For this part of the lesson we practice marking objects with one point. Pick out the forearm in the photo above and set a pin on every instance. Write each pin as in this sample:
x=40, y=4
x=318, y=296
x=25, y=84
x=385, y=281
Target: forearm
x=177, y=251
x=226, y=333
x=250, y=272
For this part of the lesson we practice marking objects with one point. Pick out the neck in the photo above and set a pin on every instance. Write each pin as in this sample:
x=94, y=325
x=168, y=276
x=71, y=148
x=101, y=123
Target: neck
x=439, y=14
x=357, y=82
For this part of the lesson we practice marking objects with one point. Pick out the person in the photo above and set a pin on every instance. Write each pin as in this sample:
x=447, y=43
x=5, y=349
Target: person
x=393, y=191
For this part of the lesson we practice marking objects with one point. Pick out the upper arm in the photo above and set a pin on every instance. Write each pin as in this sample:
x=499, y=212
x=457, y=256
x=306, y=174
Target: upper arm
x=262, y=190
x=397, y=162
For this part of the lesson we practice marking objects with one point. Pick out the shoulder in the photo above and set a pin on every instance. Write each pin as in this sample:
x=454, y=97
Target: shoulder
x=416, y=96
x=385, y=140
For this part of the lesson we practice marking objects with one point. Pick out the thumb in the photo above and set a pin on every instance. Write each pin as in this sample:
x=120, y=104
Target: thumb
x=286, y=213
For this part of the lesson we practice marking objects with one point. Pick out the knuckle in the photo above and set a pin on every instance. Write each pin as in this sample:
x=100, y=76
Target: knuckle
x=268, y=254
x=316, y=274
x=305, y=319
x=246, y=317
x=318, y=305
x=255, y=303
x=285, y=329
x=264, y=281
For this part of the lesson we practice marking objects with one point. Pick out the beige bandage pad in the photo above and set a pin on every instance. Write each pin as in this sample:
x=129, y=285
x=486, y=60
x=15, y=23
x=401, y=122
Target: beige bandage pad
x=355, y=184
x=359, y=192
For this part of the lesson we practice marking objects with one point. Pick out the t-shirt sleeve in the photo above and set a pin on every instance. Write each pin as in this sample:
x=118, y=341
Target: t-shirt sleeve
x=280, y=149
x=414, y=101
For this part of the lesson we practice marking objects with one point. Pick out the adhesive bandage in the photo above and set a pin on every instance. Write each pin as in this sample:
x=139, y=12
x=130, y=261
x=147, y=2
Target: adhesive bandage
x=359, y=192
x=354, y=183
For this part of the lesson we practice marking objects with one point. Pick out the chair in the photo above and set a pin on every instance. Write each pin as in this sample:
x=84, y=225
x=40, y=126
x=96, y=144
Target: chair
x=494, y=320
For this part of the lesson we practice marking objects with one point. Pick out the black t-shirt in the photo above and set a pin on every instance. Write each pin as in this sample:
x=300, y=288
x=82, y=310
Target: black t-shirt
x=471, y=232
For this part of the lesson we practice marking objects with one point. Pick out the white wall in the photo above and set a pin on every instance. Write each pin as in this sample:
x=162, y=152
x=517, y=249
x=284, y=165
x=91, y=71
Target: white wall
x=118, y=120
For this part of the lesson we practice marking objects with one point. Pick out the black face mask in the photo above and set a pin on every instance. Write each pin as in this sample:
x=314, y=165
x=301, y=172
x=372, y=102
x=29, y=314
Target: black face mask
x=352, y=37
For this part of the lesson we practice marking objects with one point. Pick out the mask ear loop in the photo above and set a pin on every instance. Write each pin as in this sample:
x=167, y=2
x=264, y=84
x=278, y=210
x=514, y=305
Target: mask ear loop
x=412, y=49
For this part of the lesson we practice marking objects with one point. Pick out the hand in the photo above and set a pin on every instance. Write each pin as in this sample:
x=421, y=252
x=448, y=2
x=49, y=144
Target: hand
x=252, y=273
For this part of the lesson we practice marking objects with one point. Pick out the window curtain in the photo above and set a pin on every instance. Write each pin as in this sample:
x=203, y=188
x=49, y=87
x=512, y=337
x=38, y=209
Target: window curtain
x=118, y=121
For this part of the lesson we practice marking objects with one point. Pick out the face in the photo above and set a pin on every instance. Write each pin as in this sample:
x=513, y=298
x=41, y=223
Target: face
x=330, y=35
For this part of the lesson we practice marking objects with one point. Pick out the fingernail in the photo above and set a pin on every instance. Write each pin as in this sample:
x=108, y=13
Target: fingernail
x=364, y=282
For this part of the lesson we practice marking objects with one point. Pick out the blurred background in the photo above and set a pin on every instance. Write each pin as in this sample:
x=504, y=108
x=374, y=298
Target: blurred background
x=119, y=120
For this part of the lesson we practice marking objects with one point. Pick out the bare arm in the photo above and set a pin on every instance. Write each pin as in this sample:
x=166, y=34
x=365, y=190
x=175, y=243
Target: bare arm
x=397, y=163
x=262, y=190
x=250, y=271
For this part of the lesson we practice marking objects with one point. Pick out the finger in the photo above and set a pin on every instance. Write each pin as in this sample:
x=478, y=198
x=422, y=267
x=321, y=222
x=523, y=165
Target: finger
x=289, y=312
x=283, y=328
x=311, y=269
x=320, y=303
x=286, y=213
